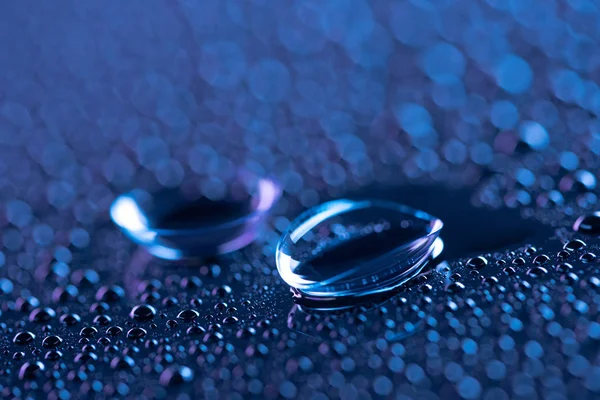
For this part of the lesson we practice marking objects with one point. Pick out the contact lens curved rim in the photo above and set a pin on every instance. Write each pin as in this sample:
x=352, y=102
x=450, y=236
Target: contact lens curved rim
x=307, y=221
x=271, y=193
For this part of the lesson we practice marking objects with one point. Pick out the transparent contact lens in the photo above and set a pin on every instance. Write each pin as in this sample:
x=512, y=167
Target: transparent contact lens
x=180, y=223
x=356, y=248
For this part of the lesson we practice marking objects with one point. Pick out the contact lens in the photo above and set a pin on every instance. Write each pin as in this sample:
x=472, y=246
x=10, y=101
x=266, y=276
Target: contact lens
x=176, y=224
x=347, y=248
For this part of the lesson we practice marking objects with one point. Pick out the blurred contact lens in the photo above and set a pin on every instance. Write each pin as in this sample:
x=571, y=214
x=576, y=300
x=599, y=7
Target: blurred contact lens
x=177, y=224
x=347, y=248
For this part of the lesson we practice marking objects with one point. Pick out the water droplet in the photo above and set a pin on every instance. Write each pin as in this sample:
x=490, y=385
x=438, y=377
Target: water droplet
x=178, y=224
x=569, y=278
x=575, y=244
x=31, y=370
x=124, y=362
x=348, y=248
x=102, y=320
x=588, y=257
x=70, y=319
x=174, y=375
x=455, y=287
x=114, y=331
x=53, y=355
x=564, y=267
x=84, y=358
x=509, y=271
x=188, y=315
x=52, y=341
x=136, y=333
x=477, y=262
x=519, y=261
x=88, y=331
x=142, y=312
x=230, y=320
x=588, y=224
x=195, y=330
x=536, y=272
x=221, y=291
x=110, y=294
x=23, y=338
x=172, y=323
x=25, y=304
x=42, y=315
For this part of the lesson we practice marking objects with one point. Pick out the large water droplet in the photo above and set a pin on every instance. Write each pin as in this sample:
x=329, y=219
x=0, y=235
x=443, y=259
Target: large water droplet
x=588, y=224
x=183, y=223
x=356, y=248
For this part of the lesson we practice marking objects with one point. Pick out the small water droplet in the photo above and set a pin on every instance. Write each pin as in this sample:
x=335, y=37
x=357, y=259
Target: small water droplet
x=23, y=338
x=564, y=267
x=88, y=331
x=541, y=259
x=114, y=331
x=536, y=272
x=588, y=257
x=575, y=244
x=42, y=315
x=136, y=333
x=102, y=320
x=143, y=312
x=195, y=330
x=52, y=341
x=477, y=262
x=519, y=261
x=230, y=320
x=221, y=291
x=188, y=315
x=509, y=271
x=70, y=319
x=175, y=375
x=31, y=370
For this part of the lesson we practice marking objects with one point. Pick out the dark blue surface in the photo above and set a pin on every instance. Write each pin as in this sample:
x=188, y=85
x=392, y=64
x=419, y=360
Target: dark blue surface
x=484, y=113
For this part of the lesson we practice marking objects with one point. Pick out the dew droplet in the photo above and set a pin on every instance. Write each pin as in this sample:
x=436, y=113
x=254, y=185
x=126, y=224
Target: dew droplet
x=536, y=272
x=70, y=319
x=174, y=375
x=124, y=362
x=588, y=224
x=519, y=261
x=42, y=315
x=114, y=331
x=52, y=341
x=477, y=262
x=31, y=370
x=195, y=330
x=143, y=312
x=136, y=333
x=188, y=315
x=23, y=338
x=541, y=259
x=177, y=224
x=88, y=331
x=564, y=267
x=575, y=244
x=356, y=248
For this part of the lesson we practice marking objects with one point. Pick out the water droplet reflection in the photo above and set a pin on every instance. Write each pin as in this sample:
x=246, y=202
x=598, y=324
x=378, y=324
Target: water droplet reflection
x=348, y=248
x=177, y=224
